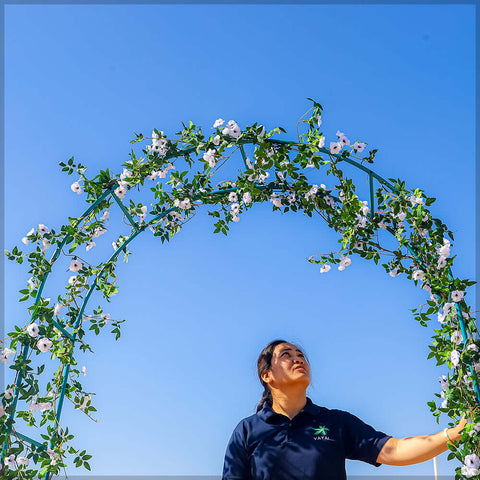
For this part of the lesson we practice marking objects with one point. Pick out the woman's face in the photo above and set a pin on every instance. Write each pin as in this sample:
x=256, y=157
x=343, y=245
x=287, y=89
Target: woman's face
x=289, y=367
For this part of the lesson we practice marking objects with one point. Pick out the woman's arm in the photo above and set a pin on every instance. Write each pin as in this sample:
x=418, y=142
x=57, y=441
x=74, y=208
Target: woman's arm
x=411, y=450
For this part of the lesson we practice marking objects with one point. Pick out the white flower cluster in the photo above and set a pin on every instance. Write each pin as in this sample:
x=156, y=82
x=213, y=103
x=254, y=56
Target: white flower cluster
x=184, y=204
x=42, y=230
x=276, y=200
x=6, y=352
x=232, y=129
x=443, y=252
x=12, y=462
x=159, y=145
x=335, y=147
x=471, y=466
x=209, y=156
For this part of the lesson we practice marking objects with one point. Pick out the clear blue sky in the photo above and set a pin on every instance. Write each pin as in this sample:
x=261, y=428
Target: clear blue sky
x=81, y=79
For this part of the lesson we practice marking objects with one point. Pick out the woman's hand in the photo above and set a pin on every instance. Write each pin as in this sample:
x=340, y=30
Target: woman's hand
x=455, y=433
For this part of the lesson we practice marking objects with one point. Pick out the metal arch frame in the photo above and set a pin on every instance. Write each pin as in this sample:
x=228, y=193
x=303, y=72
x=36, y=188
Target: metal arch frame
x=139, y=229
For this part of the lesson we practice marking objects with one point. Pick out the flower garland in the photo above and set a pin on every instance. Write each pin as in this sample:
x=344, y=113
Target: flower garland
x=275, y=173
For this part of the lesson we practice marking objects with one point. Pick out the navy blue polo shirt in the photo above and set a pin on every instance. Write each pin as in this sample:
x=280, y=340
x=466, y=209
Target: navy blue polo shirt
x=311, y=446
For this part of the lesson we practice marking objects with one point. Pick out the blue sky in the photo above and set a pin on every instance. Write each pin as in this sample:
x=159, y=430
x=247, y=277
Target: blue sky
x=80, y=80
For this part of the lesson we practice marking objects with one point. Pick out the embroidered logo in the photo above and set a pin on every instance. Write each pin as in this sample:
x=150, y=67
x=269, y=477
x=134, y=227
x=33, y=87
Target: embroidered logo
x=320, y=433
x=321, y=430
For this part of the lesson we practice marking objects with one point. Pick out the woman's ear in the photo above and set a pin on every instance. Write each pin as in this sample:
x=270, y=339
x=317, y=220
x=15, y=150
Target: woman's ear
x=266, y=376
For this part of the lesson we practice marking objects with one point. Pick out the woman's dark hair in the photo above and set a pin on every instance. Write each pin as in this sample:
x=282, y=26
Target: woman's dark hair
x=264, y=363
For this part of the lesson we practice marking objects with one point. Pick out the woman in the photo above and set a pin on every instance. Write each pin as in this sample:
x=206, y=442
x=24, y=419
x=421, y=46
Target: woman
x=290, y=438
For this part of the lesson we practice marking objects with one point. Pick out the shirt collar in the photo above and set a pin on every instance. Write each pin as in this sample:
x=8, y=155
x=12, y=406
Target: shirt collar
x=266, y=413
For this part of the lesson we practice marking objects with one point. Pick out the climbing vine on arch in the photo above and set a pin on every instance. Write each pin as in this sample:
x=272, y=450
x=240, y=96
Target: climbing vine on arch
x=181, y=172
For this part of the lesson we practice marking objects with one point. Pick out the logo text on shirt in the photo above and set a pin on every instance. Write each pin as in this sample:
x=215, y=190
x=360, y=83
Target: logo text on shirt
x=320, y=433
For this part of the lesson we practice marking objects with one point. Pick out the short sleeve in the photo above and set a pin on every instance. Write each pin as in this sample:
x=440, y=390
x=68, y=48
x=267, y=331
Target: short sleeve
x=362, y=442
x=236, y=465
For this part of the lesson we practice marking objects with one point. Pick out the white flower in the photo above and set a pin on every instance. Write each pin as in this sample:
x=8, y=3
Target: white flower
x=46, y=243
x=340, y=134
x=325, y=268
x=25, y=240
x=226, y=131
x=235, y=218
x=319, y=120
x=105, y=215
x=31, y=232
x=125, y=174
x=120, y=192
x=361, y=221
x=312, y=192
x=447, y=307
x=98, y=231
x=364, y=208
x=455, y=358
x=72, y=280
x=56, y=310
x=2, y=411
x=43, y=229
x=341, y=267
x=232, y=197
x=291, y=198
x=33, y=330
x=247, y=198
x=443, y=382
x=472, y=461
x=280, y=176
x=335, y=147
x=382, y=225
x=76, y=188
x=216, y=140
x=401, y=216
x=5, y=354
x=53, y=456
x=31, y=283
x=144, y=209
x=344, y=140
x=234, y=208
x=218, y=122
x=276, y=200
x=359, y=146
x=209, y=156
x=44, y=406
x=441, y=261
x=466, y=381
x=394, y=272
x=84, y=370
x=469, y=472
x=321, y=142
x=44, y=344
x=457, y=296
x=345, y=261
x=105, y=317
x=456, y=337
x=235, y=131
x=416, y=200
x=441, y=317
x=90, y=245
x=114, y=245
x=473, y=347
x=418, y=275
x=23, y=461
x=75, y=266
x=9, y=393
x=10, y=461
x=444, y=250
x=444, y=403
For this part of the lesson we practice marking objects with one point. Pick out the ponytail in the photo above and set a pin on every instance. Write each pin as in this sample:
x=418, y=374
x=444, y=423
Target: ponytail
x=264, y=363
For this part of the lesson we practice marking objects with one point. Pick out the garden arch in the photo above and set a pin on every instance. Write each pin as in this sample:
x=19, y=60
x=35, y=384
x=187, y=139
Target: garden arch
x=391, y=206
